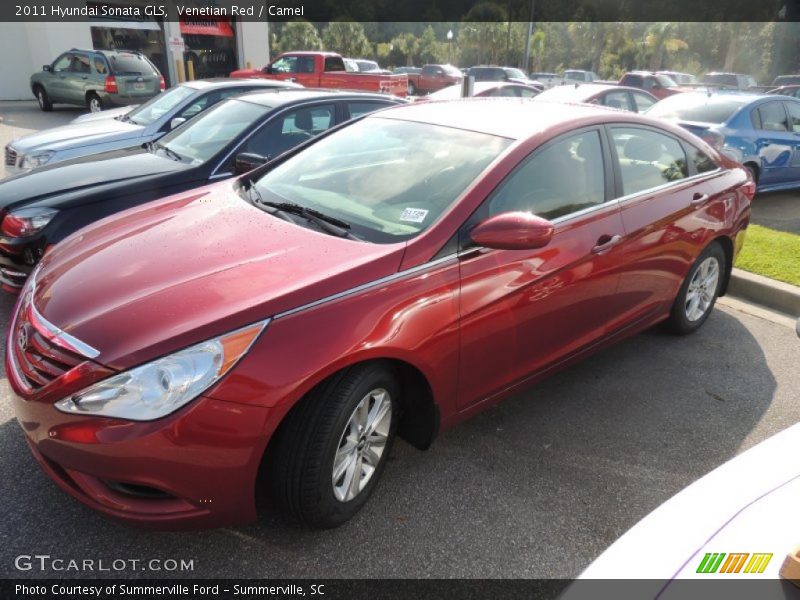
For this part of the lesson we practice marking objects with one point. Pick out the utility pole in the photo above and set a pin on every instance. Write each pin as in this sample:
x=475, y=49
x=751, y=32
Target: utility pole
x=526, y=64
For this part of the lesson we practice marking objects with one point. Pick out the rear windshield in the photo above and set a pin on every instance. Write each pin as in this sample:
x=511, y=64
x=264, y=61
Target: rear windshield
x=703, y=110
x=130, y=64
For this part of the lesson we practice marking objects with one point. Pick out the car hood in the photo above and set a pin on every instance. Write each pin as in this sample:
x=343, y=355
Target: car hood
x=111, y=113
x=174, y=272
x=747, y=505
x=76, y=135
x=80, y=174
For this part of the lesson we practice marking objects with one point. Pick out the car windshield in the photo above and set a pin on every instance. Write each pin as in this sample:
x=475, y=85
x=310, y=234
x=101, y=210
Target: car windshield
x=515, y=73
x=212, y=130
x=156, y=107
x=702, y=109
x=665, y=81
x=389, y=179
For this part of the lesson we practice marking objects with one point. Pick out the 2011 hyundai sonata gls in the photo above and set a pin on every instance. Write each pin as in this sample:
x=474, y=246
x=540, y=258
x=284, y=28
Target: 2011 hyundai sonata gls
x=396, y=276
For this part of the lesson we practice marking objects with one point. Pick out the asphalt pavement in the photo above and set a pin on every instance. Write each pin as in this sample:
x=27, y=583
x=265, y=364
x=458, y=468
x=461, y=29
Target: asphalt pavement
x=536, y=487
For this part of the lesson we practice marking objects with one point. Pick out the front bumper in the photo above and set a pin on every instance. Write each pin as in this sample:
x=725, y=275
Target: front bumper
x=195, y=468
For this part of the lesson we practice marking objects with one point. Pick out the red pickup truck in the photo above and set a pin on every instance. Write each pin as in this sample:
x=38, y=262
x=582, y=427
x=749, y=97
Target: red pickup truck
x=433, y=78
x=325, y=70
x=660, y=86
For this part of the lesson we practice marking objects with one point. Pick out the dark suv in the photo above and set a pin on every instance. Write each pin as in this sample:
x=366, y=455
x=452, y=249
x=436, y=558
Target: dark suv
x=97, y=79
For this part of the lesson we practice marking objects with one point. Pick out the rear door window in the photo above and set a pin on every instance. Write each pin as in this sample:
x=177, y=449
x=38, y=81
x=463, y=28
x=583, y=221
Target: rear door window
x=80, y=64
x=772, y=117
x=616, y=100
x=358, y=109
x=794, y=116
x=100, y=65
x=647, y=159
x=642, y=102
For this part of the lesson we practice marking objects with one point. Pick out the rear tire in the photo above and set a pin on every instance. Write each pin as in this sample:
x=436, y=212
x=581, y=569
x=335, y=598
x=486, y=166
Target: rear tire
x=94, y=103
x=699, y=291
x=412, y=89
x=43, y=99
x=332, y=448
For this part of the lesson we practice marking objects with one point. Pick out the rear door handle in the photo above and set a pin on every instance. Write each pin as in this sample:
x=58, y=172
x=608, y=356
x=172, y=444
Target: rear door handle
x=605, y=243
x=699, y=200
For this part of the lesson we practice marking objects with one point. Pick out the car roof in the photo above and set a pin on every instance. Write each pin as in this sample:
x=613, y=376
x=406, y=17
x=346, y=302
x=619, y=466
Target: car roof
x=512, y=118
x=280, y=97
x=225, y=82
x=584, y=91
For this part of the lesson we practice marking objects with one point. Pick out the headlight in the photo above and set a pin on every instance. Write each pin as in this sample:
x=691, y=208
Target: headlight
x=27, y=221
x=158, y=388
x=37, y=159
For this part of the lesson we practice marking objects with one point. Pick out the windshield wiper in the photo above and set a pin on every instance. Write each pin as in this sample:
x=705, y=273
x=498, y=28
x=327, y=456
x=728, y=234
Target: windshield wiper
x=169, y=152
x=325, y=222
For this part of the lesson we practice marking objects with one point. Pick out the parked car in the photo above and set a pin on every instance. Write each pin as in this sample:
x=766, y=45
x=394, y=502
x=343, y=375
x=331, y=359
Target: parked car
x=660, y=86
x=573, y=75
x=787, y=90
x=369, y=66
x=547, y=79
x=782, y=80
x=433, y=78
x=143, y=124
x=759, y=131
x=492, y=73
x=42, y=207
x=386, y=279
x=737, y=523
x=325, y=70
x=729, y=80
x=679, y=78
x=615, y=96
x=485, y=89
x=97, y=79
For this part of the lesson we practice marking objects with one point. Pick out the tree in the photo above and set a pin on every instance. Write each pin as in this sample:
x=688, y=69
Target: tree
x=298, y=35
x=659, y=41
x=348, y=39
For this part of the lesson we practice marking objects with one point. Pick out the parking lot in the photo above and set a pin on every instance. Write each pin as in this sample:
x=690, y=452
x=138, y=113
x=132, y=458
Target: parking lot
x=536, y=487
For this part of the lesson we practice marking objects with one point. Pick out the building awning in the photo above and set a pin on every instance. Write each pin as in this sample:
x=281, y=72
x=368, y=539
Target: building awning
x=209, y=26
x=147, y=25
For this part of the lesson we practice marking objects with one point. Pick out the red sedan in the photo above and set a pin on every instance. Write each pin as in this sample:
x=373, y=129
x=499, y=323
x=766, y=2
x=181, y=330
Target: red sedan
x=276, y=332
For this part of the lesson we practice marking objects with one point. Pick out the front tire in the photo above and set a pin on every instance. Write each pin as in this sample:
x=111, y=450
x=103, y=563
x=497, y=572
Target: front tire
x=94, y=103
x=334, y=445
x=43, y=99
x=699, y=291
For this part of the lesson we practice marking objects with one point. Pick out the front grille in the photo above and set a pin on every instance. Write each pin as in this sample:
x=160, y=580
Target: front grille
x=38, y=356
x=11, y=156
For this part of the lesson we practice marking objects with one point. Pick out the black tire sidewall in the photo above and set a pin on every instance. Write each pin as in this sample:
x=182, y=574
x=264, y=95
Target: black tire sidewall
x=43, y=99
x=327, y=511
x=678, y=321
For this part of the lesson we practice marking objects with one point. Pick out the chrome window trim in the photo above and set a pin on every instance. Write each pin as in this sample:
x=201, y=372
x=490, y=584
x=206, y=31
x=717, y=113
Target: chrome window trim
x=368, y=285
x=669, y=184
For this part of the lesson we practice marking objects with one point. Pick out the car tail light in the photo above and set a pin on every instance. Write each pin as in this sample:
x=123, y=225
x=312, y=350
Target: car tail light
x=161, y=83
x=713, y=139
x=111, y=85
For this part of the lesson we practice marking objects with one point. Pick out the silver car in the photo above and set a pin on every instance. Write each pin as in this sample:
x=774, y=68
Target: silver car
x=126, y=127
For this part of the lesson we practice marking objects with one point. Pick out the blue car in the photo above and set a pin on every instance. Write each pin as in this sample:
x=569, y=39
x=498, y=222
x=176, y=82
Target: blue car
x=761, y=132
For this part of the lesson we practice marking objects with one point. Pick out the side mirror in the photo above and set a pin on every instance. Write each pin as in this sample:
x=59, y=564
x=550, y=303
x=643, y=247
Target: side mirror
x=176, y=121
x=513, y=231
x=247, y=161
x=47, y=68
x=268, y=70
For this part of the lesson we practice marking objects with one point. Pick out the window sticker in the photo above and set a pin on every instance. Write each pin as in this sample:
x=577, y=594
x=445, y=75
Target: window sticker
x=413, y=215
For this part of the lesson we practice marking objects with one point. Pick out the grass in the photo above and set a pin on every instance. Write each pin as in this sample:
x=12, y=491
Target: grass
x=774, y=254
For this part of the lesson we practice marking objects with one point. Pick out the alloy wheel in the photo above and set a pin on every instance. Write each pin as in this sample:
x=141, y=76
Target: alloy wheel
x=94, y=105
x=702, y=289
x=362, y=445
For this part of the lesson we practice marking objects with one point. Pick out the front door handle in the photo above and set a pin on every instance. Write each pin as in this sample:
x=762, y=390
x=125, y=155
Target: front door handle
x=699, y=200
x=605, y=243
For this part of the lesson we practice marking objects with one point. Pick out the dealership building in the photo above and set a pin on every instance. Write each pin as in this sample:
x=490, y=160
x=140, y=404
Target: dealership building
x=214, y=46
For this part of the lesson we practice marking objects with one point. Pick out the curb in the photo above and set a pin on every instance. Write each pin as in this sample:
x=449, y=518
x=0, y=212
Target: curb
x=767, y=292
